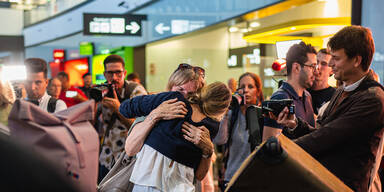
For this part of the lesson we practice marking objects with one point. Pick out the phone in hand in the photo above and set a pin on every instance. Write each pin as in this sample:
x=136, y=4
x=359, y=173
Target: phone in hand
x=71, y=93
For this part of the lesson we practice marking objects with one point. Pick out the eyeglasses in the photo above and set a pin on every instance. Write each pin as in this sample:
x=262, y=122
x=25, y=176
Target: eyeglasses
x=197, y=70
x=118, y=73
x=313, y=67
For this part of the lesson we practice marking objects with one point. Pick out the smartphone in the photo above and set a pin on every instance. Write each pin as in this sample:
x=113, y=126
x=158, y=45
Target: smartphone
x=70, y=93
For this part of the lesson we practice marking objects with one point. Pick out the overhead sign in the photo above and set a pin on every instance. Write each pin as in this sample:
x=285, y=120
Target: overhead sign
x=112, y=24
x=175, y=25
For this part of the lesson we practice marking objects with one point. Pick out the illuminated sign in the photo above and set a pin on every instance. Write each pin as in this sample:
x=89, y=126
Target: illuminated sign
x=86, y=48
x=178, y=26
x=112, y=24
x=58, y=54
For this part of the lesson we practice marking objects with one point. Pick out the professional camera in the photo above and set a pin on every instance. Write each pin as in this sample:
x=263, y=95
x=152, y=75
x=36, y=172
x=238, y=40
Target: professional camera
x=98, y=92
x=276, y=106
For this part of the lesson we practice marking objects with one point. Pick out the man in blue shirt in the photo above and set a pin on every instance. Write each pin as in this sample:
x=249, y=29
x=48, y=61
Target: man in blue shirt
x=301, y=70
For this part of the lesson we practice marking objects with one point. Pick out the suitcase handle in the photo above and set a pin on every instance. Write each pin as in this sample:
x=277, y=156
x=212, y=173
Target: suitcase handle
x=272, y=152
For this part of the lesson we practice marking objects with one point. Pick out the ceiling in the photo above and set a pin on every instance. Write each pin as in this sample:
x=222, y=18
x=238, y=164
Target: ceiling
x=23, y=4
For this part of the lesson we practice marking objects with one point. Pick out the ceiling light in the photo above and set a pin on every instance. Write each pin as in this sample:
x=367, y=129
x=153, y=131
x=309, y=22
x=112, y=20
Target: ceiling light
x=233, y=29
x=254, y=24
x=244, y=30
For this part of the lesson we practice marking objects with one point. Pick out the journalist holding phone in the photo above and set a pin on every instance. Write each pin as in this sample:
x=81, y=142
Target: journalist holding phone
x=233, y=133
x=69, y=94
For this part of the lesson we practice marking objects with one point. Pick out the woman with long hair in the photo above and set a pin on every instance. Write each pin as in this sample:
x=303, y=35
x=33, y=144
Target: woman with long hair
x=233, y=133
x=169, y=160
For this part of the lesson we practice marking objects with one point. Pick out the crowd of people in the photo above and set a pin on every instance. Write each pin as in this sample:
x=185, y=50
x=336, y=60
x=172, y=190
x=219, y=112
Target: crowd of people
x=177, y=134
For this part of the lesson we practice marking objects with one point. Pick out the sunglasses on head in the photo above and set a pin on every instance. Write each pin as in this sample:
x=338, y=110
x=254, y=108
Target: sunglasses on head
x=198, y=70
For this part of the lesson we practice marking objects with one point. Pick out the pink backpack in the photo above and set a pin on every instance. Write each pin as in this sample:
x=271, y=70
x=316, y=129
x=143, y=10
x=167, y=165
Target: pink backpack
x=66, y=138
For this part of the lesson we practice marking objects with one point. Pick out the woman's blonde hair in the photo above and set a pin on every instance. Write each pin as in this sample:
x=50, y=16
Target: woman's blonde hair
x=7, y=95
x=213, y=99
x=181, y=77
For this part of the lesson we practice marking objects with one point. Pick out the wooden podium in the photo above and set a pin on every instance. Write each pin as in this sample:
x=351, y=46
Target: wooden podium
x=285, y=168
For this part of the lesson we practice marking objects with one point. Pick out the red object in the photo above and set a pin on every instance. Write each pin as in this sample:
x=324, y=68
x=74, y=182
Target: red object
x=70, y=101
x=58, y=54
x=76, y=68
x=56, y=67
x=279, y=64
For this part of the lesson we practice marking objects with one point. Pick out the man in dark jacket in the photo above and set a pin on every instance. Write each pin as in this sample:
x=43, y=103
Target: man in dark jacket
x=347, y=136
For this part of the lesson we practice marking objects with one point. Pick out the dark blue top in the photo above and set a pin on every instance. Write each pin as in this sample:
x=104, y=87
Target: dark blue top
x=303, y=105
x=166, y=137
x=320, y=97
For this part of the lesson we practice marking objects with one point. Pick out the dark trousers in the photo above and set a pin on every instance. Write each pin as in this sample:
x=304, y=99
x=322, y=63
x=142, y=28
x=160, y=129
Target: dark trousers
x=103, y=171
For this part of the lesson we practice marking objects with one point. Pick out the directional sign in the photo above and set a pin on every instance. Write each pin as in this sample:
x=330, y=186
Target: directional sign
x=160, y=28
x=112, y=24
x=163, y=26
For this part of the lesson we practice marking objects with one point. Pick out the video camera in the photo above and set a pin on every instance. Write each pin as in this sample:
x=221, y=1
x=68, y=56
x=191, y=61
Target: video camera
x=276, y=106
x=98, y=92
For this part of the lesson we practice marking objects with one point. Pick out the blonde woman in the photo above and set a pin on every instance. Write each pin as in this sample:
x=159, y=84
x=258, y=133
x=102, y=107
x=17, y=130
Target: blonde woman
x=169, y=160
x=7, y=98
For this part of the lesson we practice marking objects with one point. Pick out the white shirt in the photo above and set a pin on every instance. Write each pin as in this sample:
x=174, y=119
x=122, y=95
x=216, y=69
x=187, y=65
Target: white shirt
x=353, y=86
x=152, y=169
x=43, y=103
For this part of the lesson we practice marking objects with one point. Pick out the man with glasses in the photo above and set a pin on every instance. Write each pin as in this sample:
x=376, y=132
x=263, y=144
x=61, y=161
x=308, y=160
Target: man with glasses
x=301, y=71
x=348, y=137
x=114, y=125
x=321, y=91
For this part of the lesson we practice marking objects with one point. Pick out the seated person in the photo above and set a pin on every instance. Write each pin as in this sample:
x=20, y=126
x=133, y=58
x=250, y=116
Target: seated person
x=166, y=143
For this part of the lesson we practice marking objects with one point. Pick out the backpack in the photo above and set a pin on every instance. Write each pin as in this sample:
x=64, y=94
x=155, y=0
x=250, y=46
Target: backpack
x=51, y=105
x=65, y=138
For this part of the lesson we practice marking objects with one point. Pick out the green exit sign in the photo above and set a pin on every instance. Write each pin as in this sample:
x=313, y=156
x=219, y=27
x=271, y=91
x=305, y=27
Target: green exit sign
x=86, y=48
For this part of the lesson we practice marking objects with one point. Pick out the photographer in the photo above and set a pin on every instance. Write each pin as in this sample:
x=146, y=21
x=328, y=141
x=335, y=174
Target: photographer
x=301, y=67
x=114, y=125
x=347, y=138
x=233, y=133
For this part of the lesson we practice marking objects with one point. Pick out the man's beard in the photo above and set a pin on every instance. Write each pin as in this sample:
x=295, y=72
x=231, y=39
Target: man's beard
x=304, y=80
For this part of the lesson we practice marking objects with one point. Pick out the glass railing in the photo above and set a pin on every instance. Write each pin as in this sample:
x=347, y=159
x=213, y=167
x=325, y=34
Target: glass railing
x=51, y=8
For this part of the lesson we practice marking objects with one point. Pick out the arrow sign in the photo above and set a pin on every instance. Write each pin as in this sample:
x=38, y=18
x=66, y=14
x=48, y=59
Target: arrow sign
x=160, y=28
x=133, y=27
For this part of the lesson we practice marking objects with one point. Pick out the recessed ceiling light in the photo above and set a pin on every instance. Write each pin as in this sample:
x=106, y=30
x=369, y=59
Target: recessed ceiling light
x=233, y=29
x=244, y=30
x=254, y=24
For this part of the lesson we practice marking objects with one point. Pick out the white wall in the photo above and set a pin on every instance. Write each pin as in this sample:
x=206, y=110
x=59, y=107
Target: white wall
x=11, y=22
x=208, y=50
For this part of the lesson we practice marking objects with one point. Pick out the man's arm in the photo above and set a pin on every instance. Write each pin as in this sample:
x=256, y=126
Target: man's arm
x=270, y=131
x=361, y=119
x=271, y=127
